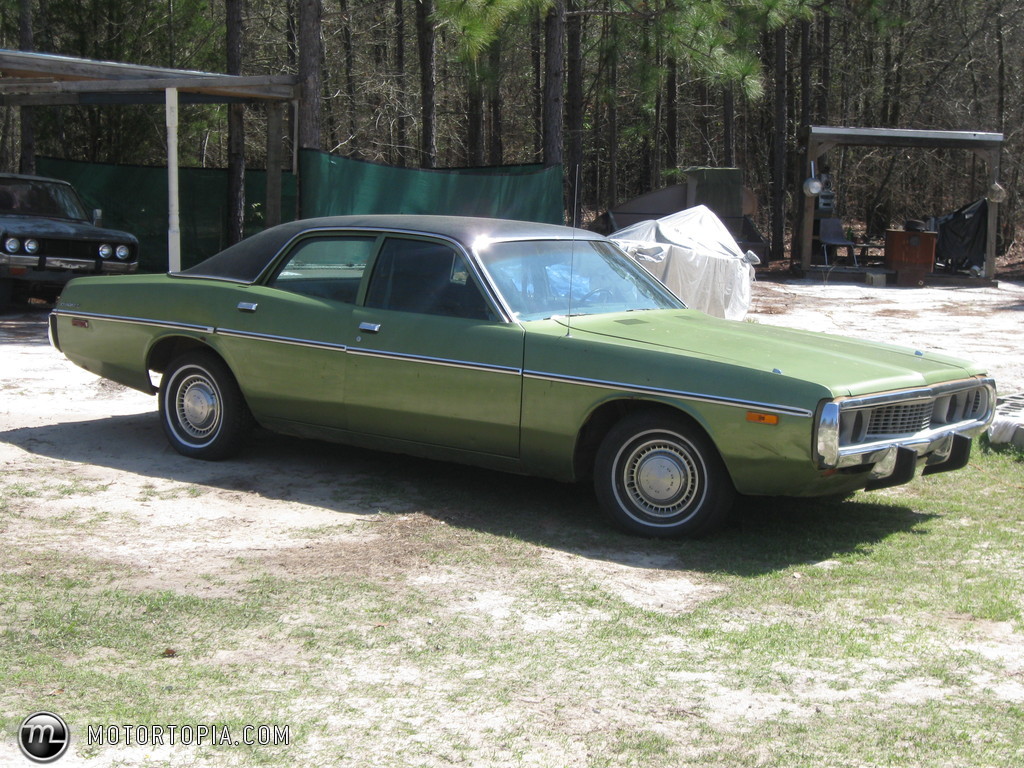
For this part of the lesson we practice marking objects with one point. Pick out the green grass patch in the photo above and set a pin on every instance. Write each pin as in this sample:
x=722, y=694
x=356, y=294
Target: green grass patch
x=883, y=630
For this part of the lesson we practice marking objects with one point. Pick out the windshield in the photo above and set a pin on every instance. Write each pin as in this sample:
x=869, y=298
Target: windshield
x=25, y=197
x=543, y=278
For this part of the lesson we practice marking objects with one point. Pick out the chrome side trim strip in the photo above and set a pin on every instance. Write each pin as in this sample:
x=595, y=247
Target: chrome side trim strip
x=466, y=365
x=281, y=339
x=785, y=410
x=485, y=368
x=137, y=321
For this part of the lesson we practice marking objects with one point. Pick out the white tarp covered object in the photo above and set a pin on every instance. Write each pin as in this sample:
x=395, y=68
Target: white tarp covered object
x=696, y=257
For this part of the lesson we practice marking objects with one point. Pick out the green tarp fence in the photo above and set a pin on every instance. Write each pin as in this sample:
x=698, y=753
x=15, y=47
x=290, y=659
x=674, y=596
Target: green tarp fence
x=134, y=198
x=338, y=185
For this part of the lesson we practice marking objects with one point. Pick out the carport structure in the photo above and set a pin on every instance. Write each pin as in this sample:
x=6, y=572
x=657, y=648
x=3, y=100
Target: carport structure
x=820, y=139
x=43, y=79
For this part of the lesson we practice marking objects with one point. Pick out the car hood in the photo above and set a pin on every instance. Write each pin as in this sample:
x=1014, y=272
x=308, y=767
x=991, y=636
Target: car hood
x=847, y=367
x=44, y=226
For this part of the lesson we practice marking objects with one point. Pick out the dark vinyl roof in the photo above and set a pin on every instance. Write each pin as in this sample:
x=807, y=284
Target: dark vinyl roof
x=247, y=260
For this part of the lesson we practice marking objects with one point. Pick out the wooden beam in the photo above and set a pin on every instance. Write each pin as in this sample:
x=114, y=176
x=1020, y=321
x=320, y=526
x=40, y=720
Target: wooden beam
x=274, y=88
x=34, y=78
x=144, y=97
x=900, y=137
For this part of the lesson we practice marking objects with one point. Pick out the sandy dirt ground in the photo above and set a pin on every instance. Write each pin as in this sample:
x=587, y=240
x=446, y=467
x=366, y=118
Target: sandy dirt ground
x=60, y=424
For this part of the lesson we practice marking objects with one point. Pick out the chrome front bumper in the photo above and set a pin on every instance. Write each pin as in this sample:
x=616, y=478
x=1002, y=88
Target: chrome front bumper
x=947, y=413
x=38, y=264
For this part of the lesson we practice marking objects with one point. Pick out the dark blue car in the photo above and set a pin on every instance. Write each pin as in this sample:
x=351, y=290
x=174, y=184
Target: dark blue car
x=46, y=238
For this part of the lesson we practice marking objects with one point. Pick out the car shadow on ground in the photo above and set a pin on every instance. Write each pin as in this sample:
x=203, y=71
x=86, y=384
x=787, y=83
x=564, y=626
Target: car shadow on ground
x=764, y=536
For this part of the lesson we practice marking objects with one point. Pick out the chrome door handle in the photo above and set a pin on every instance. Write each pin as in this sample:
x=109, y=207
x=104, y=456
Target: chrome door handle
x=369, y=327
x=247, y=306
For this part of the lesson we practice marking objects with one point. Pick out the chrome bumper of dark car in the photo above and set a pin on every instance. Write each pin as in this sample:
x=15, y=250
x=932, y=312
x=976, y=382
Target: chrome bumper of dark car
x=43, y=263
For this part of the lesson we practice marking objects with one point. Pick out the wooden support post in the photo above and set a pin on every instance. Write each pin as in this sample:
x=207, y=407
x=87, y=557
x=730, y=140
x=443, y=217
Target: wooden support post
x=275, y=153
x=992, y=231
x=173, y=211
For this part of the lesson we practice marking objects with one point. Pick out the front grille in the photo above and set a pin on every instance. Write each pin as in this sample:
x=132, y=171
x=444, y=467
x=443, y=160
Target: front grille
x=900, y=419
x=866, y=424
x=68, y=249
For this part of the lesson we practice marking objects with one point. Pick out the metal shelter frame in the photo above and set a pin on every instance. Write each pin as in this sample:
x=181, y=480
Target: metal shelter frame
x=43, y=79
x=820, y=139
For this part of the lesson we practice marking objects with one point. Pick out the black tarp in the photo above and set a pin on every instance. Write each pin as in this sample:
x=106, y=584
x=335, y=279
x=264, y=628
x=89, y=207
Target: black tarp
x=962, y=234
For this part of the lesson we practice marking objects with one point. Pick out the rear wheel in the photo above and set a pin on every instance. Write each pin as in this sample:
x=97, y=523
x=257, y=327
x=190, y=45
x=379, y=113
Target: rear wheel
x=661, y=477
x=201, y=407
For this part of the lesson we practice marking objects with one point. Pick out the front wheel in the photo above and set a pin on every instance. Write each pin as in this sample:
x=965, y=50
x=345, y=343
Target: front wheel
x=201, y=407
x=661, y=477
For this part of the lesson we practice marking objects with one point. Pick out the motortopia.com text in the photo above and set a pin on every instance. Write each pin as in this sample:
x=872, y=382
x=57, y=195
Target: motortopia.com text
x=188, y=735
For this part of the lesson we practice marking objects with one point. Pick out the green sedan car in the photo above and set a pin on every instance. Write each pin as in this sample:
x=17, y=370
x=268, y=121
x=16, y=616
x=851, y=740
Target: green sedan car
x=522, y=347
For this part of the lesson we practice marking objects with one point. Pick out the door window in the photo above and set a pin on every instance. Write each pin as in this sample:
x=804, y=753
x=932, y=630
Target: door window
x=428, y=278
x=327, y=267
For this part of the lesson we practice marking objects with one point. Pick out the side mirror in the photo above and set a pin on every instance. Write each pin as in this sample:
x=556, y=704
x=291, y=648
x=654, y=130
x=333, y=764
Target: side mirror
x=97, y=217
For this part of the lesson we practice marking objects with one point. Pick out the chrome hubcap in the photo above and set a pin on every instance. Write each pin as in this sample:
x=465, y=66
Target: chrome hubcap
x=198, y=406
x=658, y=477
x=661, y=478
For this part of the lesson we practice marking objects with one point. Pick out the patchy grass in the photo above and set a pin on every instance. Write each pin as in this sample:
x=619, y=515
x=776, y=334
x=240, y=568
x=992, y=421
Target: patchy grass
x=502, y=627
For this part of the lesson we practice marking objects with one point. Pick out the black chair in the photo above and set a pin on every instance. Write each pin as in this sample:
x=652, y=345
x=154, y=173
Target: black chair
x=830, y=233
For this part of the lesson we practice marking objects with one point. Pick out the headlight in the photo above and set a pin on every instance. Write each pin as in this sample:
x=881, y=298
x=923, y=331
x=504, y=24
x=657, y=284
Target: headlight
x=12, y=244
x=106, y=251
x=31, y=246
x=123, y=252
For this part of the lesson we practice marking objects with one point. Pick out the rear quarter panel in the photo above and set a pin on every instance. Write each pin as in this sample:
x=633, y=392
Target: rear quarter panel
x=108, y=325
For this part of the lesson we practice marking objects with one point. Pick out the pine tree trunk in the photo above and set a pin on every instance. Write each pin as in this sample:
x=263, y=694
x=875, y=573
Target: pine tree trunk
x=474, y=116
x=779, y=149
x=574, y=112
x=612, y=129
x=537, y=55
x=402, y=124
x=27, y=161
x=554, y=82
x=310, y=73
x=427, y=43
x=495, y=145
x=672, y=114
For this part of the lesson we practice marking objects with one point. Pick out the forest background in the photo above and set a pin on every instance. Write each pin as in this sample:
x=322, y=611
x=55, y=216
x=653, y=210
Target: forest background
x=622, y=93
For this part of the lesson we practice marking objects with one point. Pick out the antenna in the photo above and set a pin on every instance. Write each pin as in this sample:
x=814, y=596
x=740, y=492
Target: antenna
x=572, y=247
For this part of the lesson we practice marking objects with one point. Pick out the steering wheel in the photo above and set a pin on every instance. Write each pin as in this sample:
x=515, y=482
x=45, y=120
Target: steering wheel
x=607, y=293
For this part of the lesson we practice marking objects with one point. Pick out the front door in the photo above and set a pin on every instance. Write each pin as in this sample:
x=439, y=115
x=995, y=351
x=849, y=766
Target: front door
x=431, y=361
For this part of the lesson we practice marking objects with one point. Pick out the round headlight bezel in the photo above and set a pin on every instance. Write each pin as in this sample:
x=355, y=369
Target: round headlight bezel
x=31, y=246
x=105, y=251
x=12, y=244
x=123, y=252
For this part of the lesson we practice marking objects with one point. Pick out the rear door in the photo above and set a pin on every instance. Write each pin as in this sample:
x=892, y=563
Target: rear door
x=287, y=340
x=430, y=360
